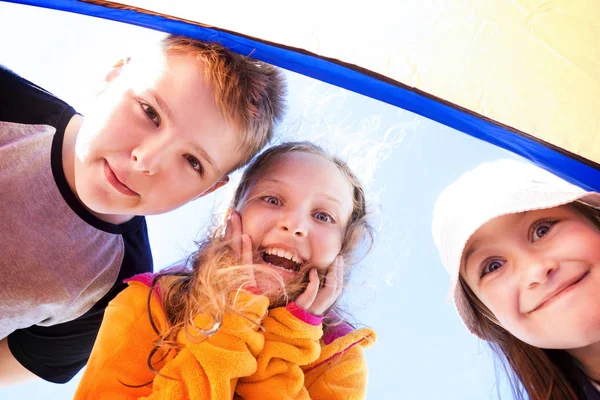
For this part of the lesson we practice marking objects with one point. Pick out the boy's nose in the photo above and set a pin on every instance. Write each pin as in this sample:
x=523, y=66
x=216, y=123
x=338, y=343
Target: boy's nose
x=147, y=159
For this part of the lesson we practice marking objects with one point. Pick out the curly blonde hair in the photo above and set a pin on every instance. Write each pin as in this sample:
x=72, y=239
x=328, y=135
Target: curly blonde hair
x=206, y=285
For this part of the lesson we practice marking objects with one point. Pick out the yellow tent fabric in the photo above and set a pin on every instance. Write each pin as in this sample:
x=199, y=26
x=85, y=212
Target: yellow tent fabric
x=532, y=65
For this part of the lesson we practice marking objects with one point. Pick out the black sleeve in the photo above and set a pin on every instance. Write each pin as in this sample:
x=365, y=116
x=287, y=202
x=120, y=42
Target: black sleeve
x=57, y=353
x=24, y=102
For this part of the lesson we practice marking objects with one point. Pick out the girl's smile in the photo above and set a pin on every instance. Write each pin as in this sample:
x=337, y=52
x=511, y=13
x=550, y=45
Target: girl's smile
x=562, y=290
x=538, y=272
x=522, y=247
x=281, y=256
x=296, y=214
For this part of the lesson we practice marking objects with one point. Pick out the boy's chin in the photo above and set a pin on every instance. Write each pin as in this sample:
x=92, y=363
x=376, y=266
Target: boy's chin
x=107, y=214
x=115, y=219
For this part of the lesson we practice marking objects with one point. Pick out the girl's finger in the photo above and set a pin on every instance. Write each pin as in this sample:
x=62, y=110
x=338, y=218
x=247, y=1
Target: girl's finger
x=332, y=278
x=247, y=258
x=246, y=249
x=340, y=277
x=331, y=290
x=307, y=298
x=236, y=233
x=228, y=228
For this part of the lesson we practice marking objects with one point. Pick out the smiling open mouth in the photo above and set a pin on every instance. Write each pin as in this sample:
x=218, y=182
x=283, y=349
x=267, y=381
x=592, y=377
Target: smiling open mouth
x=282, y=259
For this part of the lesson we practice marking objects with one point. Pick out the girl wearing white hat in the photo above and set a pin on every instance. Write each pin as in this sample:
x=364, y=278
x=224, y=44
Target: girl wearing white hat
x=522, y=247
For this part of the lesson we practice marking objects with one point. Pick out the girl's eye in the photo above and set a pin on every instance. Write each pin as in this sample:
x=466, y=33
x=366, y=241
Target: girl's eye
x=151, y=113
x=272, y=200
x=324, y=217
x=195, y=164
x=540, y=229
x=490, y=266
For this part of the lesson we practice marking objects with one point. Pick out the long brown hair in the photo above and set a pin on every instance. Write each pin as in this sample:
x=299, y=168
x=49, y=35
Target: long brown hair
x=542, y=374
x=213, y=274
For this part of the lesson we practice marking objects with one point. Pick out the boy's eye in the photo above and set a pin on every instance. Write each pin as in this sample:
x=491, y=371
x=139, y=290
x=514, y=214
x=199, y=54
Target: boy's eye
x=195, y=164
x=272, y=200
x=324, y=217
x=490, y=266
x=151, y=113
x=540, y=229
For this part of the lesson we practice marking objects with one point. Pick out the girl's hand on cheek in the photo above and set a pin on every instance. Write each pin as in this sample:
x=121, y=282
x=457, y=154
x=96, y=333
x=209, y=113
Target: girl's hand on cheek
x=317, y=300
x=241, y=245
x=246, y=259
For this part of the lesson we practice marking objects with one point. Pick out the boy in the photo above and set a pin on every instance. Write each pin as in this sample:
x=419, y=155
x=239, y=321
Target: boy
x=167, y=128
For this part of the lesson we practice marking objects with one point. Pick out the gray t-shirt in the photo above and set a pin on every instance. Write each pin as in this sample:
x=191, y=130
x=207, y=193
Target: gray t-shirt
x=58, y=261
x=43, y=281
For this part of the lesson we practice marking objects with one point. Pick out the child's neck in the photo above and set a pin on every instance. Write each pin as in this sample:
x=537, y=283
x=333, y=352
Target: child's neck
x=589, y=359
x=68, y=150
x=68, y=164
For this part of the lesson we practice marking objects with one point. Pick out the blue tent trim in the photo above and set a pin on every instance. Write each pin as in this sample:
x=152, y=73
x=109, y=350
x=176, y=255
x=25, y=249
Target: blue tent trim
x=564, y=164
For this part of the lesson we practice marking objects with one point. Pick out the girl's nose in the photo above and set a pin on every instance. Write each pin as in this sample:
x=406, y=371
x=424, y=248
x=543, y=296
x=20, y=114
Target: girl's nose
x=538, y=270
x=294, y=224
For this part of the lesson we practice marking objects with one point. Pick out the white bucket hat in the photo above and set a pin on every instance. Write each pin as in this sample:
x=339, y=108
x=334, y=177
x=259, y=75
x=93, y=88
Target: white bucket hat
x=491, y=190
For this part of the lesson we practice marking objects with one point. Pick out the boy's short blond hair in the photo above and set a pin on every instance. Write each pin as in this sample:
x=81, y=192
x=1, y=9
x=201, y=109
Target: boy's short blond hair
x=248, y=93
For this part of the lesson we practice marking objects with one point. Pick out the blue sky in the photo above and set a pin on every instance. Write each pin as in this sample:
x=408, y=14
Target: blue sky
x=423, y=351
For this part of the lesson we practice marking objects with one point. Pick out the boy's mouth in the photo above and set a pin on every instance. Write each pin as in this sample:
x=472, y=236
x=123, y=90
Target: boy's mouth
x=115, y=182
x=281, y=258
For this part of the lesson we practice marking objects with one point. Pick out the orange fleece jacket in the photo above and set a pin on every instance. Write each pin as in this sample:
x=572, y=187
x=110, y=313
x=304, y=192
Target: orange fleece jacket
x=296, y=364
x=287, y=361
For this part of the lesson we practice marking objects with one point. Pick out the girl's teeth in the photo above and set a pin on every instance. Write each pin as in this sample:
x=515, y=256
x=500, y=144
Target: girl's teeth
x=282, y=253
x=281, y=268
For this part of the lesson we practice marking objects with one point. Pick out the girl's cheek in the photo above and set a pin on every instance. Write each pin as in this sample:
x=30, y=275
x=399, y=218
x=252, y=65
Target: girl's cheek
x=331, y=253
x=492, y=300
x=505, y=306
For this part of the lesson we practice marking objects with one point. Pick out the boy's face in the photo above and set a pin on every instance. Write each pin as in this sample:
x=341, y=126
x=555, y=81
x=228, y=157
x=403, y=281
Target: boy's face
x=154, y=141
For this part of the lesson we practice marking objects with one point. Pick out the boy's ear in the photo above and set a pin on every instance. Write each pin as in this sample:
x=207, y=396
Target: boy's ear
x=116, y=69
x=218, y=184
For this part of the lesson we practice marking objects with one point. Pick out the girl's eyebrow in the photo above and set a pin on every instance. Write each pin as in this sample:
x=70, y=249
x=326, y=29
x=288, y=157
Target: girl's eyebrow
x=272, y=180
x=516, y=219
x=333, y=199
x=470, y=251
x=280, y=182
x=260, y=182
